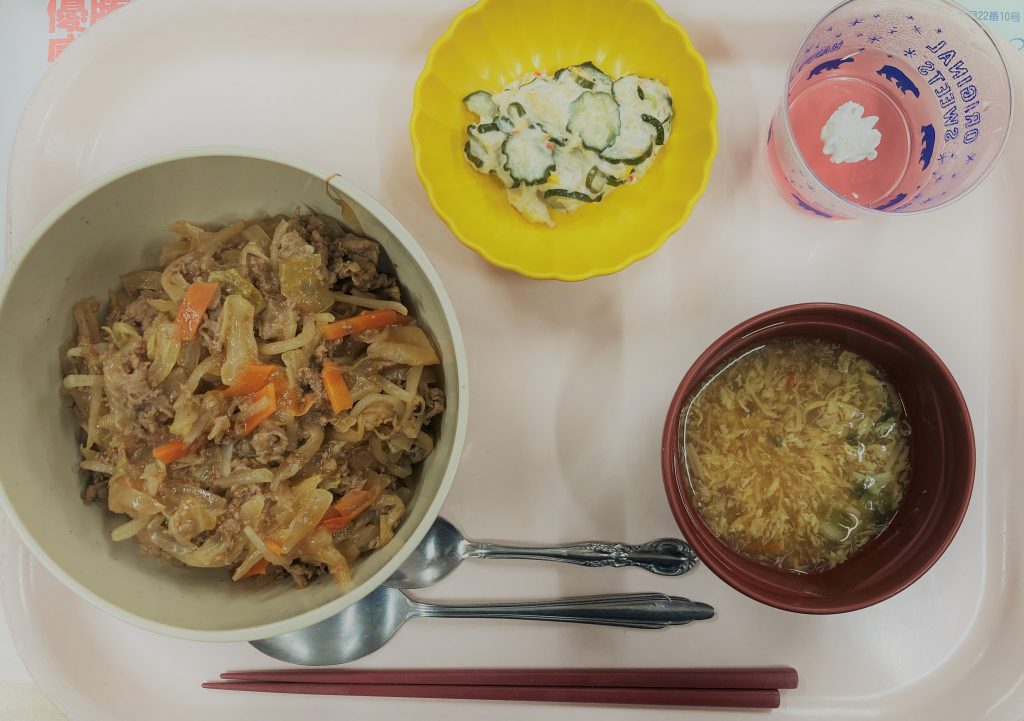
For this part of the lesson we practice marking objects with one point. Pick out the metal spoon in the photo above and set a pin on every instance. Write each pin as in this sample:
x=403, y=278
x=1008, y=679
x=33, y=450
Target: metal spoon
x=368, y=624
x=444, y=548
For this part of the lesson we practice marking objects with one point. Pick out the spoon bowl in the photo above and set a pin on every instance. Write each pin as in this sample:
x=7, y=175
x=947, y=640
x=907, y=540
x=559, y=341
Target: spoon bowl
x=360, y=629
x=369, y=623
x=439, y=553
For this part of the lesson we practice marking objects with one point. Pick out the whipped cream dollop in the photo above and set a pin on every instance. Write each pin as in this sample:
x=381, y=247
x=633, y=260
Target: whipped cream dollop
x=849, y=137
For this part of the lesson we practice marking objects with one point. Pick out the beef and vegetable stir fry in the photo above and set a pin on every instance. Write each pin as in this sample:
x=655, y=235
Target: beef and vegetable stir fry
x=259, y=402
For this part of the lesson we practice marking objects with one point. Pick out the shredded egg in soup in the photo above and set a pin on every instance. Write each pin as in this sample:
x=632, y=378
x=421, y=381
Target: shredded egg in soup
x=797, y=453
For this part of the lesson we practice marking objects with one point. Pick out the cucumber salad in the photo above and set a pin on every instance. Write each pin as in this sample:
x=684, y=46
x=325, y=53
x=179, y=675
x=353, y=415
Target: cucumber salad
x=560, y=142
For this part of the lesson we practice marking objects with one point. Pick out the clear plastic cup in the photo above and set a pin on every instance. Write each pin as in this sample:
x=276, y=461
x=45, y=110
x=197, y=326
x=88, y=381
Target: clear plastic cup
x=890, y=107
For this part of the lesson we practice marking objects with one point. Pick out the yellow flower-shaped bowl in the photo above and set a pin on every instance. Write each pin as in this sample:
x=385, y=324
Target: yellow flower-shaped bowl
x=496, y=41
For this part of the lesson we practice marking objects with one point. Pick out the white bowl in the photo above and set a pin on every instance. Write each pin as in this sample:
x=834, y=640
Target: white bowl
x=118, y=224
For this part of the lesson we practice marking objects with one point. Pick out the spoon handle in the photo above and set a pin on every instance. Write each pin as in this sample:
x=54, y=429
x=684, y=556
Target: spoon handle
x=664, y=556
x=634, y=610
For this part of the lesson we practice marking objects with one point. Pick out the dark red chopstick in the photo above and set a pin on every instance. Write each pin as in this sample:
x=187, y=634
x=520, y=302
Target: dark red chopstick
x=636, y=696
x=757, y=677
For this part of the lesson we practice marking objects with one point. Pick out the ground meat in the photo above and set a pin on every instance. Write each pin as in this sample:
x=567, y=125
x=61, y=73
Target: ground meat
x=192, y=267
x=208, y=331
x=269, y=444
x=91, y=361
x=95, y=488
x=229, y=525
x=273, y=320
x=138, y=313
x=314, y=231
x=327, y=464
x=292, y=245
x=435, y=403
x=311, y=382
x=417, y=454
x=350, y=261
x=305, y=573
x=329, y=349
x=355, y=259
x=201, y=538
x=238, y=495
x=324, y=236
x=262, y=275
x=141, y=410
x=243, y=454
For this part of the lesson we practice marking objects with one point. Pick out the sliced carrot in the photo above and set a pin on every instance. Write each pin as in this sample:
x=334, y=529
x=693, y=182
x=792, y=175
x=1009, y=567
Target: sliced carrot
x=256, y=376
x=355, y=502
x=252, y=379
x=335, y=524
x=266, y=400
x=193, y=307
x=348, y=508
x=369, y=320
x=258, y=569
x=288, y=398
x=334, y=385
x=172, y=451
x=274, y=547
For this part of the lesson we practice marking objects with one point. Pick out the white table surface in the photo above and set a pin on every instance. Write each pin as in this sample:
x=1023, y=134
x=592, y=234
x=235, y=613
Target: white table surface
x=25, y=37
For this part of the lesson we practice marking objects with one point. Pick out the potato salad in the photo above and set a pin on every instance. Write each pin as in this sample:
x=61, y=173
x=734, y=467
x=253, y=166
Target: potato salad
x=563, y=141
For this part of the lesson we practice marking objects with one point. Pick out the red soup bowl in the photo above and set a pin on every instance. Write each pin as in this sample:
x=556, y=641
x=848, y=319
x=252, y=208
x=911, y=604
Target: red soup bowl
x=942, y=463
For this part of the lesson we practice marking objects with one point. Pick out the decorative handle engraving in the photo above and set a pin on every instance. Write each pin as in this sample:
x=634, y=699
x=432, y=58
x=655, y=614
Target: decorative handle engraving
x=664, y=556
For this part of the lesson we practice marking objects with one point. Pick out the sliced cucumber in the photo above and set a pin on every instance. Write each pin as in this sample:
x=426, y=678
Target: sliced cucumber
x=528, y=156
x=659, y=129
x=567, y=200
x=643, y=95
x=504, y=124
x=598, y=180
x=572, y=166
x=473, y=154
x=516, y=109
x=571, y=195
x=631, y=150
x=588, y=76
x=546, y=103
x=636, y=140
x=629, y=159
x=480, y=103
x=595, y=118
x=484, y=144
